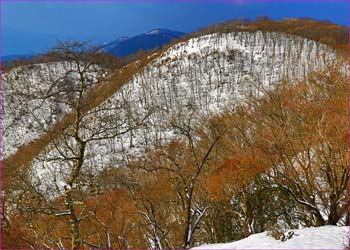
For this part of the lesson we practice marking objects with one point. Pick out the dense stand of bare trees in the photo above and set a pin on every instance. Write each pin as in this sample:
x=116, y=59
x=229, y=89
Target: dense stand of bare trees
x=216, y=178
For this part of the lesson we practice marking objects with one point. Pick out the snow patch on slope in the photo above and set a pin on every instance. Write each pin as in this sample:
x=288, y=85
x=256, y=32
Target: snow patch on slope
x=326, y=237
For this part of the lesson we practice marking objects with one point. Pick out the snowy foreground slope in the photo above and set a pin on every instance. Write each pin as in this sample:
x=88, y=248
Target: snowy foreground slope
x=326, y=237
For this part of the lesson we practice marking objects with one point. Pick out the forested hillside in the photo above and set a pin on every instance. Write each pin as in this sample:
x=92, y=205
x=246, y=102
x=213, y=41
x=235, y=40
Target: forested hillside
x=236, y=130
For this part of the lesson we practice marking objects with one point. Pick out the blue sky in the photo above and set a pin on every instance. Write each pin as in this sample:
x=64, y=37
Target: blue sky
x=31, y=27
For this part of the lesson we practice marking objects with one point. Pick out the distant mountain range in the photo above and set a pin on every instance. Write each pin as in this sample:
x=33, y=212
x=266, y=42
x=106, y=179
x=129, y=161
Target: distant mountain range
x=129, y=45
x=13, y=57
x=125, y=46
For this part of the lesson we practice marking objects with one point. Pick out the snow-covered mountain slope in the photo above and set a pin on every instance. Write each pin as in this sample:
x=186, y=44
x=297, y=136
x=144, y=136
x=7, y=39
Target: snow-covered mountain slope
x=31, y=103
x=205, y=75
x=326, y=237
x=202, y=76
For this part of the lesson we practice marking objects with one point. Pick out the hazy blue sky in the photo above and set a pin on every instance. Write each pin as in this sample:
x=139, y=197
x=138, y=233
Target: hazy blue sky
x=30, y=27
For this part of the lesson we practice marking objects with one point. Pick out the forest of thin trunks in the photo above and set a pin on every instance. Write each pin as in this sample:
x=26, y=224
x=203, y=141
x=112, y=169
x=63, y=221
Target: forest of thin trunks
x=271, y=163
x=274, y=162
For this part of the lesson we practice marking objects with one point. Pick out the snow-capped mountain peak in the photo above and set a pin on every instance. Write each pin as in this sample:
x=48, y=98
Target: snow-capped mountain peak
x=153, y=32
x=155, y=38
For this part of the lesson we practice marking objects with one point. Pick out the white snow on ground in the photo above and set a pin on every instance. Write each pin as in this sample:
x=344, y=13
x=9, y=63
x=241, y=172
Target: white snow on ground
x=28, y=108
x=205, y=75
x=326, y=237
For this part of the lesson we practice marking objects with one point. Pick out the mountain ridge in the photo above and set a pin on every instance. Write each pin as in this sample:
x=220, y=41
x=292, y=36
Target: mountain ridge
x=11, y=57
x=152, y=39
x=220, y=57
